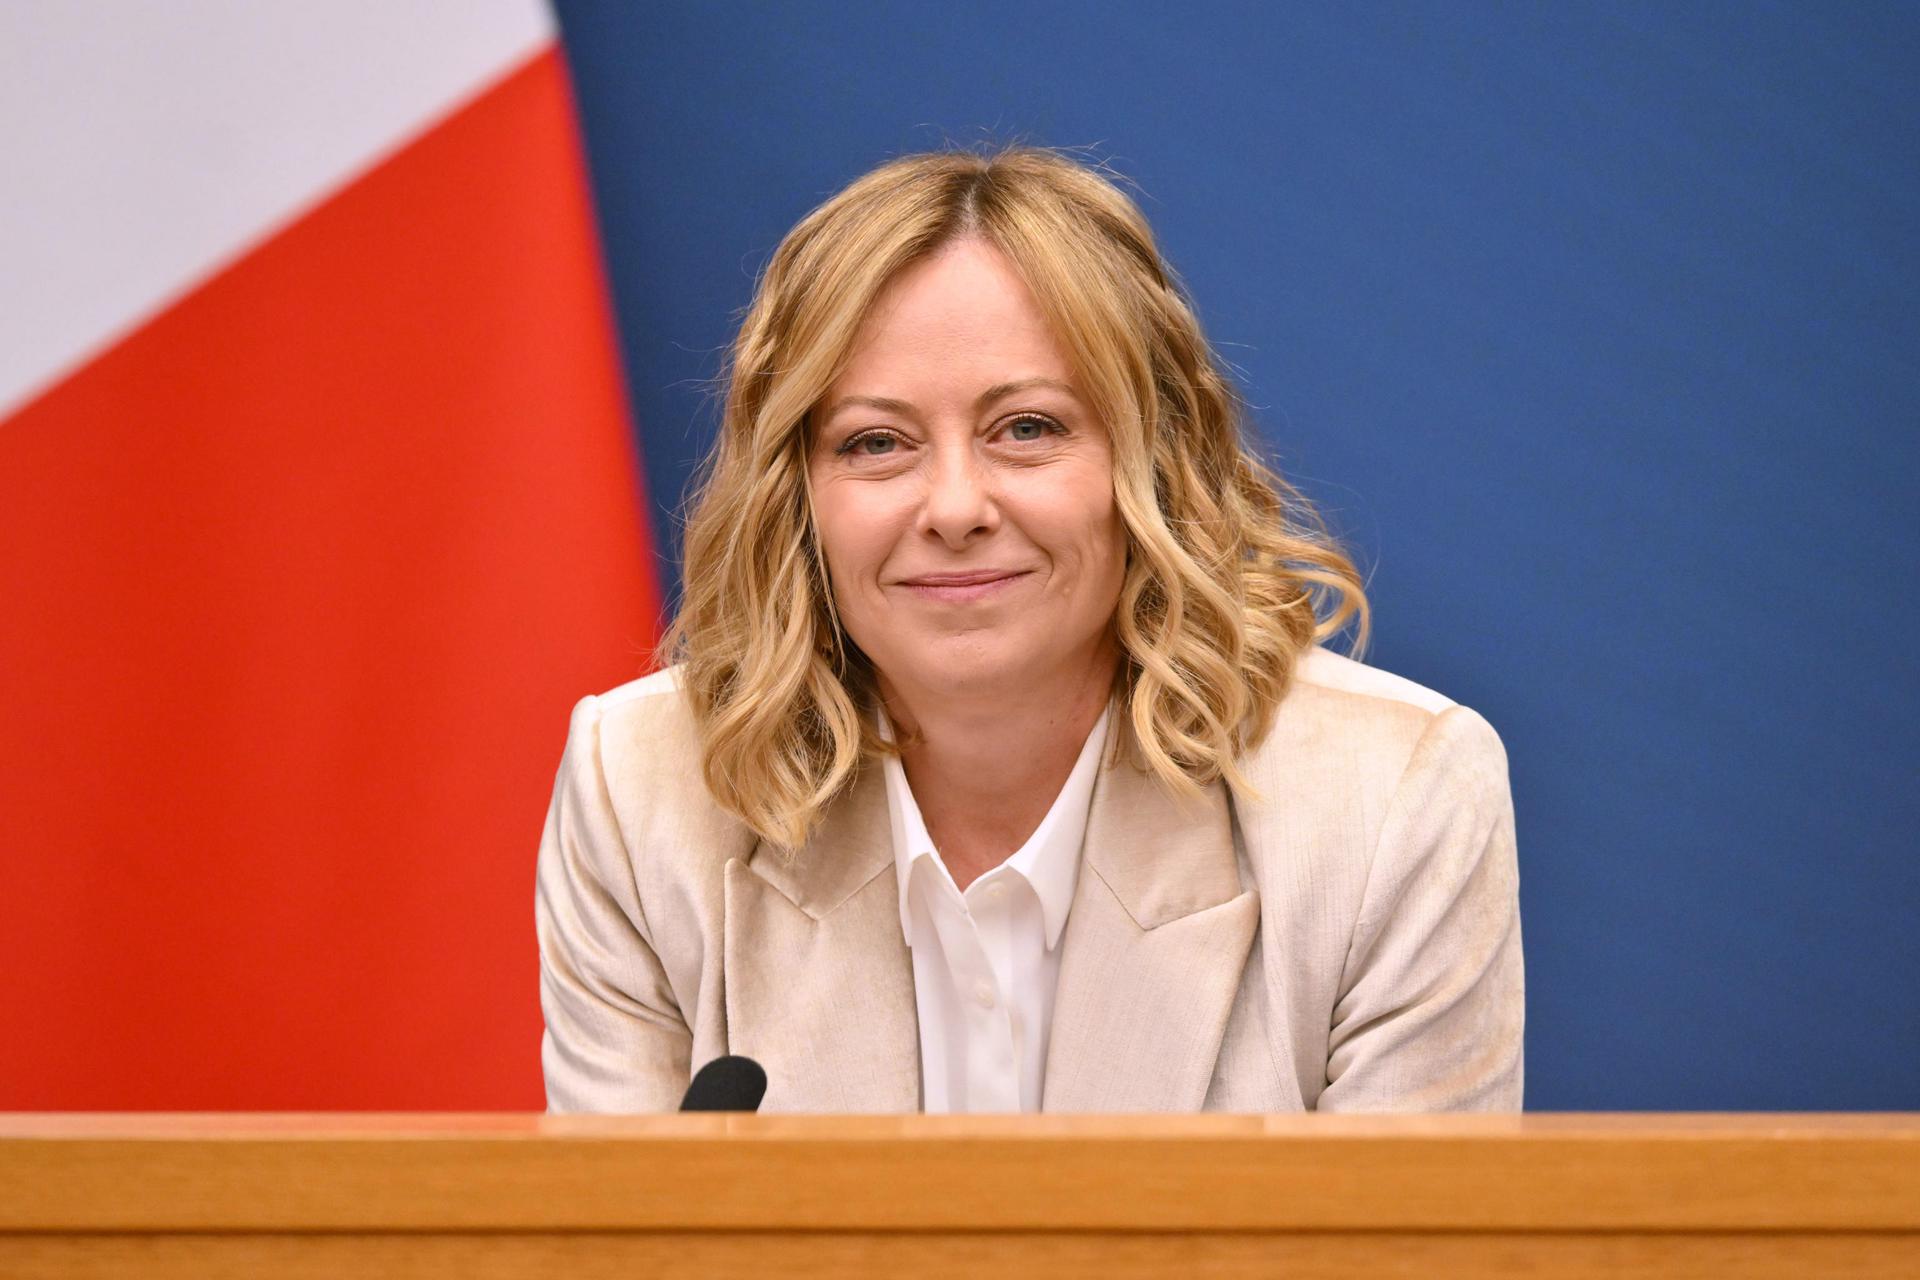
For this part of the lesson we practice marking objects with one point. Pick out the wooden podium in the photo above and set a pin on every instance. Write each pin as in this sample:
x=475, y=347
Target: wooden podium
x=580, y=1198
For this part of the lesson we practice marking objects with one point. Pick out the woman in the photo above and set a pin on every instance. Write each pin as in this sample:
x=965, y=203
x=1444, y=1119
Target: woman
x=1001, y=768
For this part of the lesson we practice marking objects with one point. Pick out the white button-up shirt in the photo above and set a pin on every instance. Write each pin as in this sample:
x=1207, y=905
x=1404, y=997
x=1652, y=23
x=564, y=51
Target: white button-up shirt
x=986, y=962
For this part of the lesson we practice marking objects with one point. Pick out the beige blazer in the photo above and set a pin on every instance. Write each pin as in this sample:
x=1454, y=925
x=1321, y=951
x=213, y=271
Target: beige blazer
x=1348, y=939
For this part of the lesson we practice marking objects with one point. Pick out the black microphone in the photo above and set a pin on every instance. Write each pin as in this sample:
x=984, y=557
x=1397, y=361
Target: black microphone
x=731, y=1083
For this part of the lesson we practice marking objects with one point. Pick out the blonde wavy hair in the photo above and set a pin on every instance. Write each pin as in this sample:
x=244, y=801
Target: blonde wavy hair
x=1230, y=574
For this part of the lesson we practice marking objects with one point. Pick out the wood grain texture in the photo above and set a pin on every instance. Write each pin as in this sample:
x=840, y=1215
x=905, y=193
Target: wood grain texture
x=939, y=1255
x=930, y=1173
x=512, y=1195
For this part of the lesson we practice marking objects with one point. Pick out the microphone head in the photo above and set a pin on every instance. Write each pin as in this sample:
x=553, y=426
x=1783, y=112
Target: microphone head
x=731, y=1083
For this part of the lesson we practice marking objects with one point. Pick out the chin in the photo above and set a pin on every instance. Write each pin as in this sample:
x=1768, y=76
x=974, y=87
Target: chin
x=970, y=663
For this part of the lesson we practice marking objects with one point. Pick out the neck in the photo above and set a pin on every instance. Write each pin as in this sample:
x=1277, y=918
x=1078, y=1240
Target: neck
x=986, y=768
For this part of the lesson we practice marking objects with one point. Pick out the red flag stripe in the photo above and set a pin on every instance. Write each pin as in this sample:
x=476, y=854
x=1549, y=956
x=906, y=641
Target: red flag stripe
x=299, y=582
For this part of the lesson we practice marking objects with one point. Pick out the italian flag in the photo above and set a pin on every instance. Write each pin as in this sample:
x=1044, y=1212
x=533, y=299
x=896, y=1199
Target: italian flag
x=319, y=506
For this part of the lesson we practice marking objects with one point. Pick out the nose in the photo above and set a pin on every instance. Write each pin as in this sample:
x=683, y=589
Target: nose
x=958, y=504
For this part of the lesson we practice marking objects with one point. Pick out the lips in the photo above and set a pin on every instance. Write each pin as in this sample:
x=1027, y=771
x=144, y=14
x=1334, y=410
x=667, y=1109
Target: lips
x=971, y=578
x=962, y=588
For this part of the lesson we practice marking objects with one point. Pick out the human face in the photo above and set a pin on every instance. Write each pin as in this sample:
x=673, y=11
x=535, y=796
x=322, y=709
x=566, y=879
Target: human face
x=963, y=490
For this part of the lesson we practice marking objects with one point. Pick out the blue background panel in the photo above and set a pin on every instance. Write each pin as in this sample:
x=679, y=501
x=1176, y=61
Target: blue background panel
x=1591, y=327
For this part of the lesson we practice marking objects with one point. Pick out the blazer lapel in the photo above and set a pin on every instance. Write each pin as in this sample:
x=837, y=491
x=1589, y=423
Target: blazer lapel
x=1155, y=946
x=819, y=980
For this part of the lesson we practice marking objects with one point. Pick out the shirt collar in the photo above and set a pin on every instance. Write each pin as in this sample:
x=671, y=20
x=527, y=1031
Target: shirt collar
x=1049, y=860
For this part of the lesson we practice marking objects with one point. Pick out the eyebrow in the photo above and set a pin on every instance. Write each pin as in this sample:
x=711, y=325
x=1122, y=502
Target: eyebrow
x=998, y=391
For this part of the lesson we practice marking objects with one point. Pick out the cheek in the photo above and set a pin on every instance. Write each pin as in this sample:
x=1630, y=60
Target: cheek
x=1109, y=557
x=855, y=533
x=1081, y=527
x=1118, y=549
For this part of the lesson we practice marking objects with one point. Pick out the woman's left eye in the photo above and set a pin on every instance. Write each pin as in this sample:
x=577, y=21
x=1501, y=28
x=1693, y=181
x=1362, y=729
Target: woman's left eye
x=1028, y=429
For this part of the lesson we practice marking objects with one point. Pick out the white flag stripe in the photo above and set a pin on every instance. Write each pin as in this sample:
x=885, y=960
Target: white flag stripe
x=146, y=145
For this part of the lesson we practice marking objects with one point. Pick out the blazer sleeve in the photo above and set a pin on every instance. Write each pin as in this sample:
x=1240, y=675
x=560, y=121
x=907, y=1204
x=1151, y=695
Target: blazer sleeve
x=615, y=1040
x=1431, y=1010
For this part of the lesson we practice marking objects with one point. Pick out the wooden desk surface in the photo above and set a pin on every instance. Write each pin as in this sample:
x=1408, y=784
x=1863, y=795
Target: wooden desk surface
x=1542, y=1194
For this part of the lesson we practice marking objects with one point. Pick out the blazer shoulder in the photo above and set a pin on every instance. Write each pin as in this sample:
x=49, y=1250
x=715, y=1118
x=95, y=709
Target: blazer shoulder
x=1324, y=669
x=1334, y=702
x=1366, y=721
x=647, y=744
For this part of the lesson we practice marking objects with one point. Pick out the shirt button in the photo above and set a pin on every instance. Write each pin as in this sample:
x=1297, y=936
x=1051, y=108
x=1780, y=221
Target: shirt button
x=995, y=892
x=984, y=994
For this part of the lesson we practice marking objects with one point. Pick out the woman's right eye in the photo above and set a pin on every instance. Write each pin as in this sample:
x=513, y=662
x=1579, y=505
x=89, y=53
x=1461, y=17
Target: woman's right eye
x=872, y=444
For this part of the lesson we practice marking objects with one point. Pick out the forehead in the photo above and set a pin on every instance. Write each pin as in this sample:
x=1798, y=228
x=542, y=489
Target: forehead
x=961, y=314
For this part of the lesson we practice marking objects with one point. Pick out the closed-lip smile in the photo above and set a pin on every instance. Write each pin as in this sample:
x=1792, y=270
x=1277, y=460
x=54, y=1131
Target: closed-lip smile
x=968, y=578
x=962, y=587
